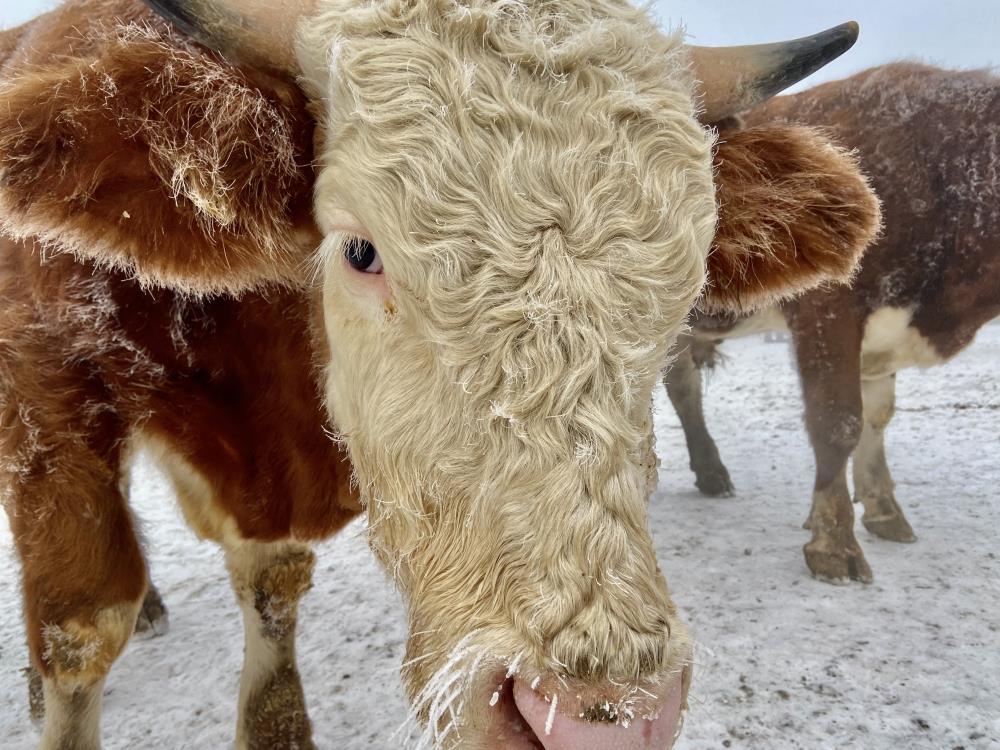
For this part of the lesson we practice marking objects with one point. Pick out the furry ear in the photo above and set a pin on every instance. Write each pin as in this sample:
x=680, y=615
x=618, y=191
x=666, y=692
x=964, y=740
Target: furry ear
x=794, y=211
x=142, y=152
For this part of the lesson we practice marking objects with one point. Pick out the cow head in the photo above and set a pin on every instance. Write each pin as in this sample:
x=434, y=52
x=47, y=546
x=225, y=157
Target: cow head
x=517, y=201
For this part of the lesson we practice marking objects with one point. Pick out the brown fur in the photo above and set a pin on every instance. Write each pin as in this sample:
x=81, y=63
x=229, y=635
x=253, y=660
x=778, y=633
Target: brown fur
x=928, y=139
x=138, y=150
x=89, y=359
x=794, y=212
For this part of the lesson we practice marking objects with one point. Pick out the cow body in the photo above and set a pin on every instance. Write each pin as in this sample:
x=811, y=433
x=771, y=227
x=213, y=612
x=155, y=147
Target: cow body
x=515, y=208
x=95, y=365
x=93, y=368
x=930, y=142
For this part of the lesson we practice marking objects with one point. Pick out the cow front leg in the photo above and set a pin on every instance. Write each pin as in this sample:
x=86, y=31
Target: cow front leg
x=78, y=655
x=873, y=485
x=683, y=383
x=84, y=580
x=828, y=352
x=152, y=621
x=269, y=579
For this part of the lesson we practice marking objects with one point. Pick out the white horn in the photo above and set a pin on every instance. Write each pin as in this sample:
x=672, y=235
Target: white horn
x=734, y=79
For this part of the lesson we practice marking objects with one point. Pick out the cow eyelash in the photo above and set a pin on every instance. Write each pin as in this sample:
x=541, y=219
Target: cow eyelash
x=362, y=255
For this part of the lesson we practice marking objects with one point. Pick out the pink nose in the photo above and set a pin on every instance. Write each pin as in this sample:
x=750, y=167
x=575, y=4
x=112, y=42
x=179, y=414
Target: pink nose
x=558, y=731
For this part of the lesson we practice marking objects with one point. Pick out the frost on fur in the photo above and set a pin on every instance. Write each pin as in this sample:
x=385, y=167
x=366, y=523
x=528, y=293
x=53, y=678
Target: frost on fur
x=224, y=166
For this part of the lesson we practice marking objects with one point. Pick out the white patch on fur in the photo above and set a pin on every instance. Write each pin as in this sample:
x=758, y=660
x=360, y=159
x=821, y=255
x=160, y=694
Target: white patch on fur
x=72, y=718
x=890, y=344
x=260, y=660
x=763, y=321
x=872, y=480
x=80, y=655
x=194, y=494
x=264, y=652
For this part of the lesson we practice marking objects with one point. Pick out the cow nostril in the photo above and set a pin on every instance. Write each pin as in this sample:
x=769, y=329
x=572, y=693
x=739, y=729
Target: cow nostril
x=514, y=729
x=602, y=713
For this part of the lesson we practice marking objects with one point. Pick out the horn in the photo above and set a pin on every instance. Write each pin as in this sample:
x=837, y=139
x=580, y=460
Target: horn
x=734, y=79
x=259, y=32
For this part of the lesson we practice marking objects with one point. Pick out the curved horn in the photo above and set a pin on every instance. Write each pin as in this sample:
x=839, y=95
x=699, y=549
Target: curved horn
x=260, y=32
x=734, y=79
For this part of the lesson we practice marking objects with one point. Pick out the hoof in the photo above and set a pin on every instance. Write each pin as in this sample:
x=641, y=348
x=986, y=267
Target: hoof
x=895, y=528
x=153, y=620
x=837, y=565
x=714, y=482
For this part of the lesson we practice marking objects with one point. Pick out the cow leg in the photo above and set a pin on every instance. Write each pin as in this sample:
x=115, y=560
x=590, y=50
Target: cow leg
x=36, y=694
x=77, y=656
x=683, y=383
x=828, y=351
x=873, y=485
x=84, y=579
x=269, y=579
x=152, y=620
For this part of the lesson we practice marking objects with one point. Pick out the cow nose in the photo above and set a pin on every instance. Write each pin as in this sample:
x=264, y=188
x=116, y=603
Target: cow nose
x=555, y=730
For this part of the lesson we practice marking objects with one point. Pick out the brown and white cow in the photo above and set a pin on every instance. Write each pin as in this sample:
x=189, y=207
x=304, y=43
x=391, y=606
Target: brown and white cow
x=930, y=141
x=515, y=201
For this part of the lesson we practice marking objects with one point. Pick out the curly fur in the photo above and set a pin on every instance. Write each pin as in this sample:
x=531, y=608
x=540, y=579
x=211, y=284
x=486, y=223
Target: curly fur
x=541, y=195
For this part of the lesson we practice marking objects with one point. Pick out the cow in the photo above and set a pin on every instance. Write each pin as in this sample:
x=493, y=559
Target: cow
x=422, y=260
x=930, y=141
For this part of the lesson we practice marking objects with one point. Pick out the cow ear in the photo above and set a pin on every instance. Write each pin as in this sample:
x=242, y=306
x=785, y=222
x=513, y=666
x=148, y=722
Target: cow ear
x=795, y=211
x=142, y=152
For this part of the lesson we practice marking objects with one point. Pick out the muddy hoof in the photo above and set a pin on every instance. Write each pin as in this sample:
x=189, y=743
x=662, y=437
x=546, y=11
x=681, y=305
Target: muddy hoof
x=895, y=528
x=714, y=482
x=837, y=565
x=153, y=620
x=36, y=696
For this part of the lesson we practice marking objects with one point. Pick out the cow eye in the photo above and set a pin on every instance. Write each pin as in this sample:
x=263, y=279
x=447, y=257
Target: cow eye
x=362, y=255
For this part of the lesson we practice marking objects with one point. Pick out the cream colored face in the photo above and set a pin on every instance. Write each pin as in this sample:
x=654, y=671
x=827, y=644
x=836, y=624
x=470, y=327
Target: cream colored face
x=541, y=214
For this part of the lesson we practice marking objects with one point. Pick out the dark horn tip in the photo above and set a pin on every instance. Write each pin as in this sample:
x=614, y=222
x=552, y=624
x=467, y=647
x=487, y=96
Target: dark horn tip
x=801, y=58
x=841, y=38
x=852, y=29
x=179, y=13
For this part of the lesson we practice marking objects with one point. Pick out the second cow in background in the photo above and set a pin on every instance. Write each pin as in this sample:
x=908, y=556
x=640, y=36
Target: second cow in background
x=930, y=141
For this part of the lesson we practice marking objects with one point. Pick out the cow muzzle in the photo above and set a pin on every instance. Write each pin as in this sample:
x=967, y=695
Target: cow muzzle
x=528, y=719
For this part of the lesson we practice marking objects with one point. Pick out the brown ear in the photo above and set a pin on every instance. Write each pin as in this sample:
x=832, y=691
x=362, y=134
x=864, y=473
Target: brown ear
x=794, y=212
x=142, y=152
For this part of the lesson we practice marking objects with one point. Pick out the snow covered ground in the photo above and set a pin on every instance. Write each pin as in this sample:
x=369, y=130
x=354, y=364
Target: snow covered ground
x=912, y=661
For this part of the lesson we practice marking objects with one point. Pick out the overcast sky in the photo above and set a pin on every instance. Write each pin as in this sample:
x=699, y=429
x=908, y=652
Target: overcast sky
x=952, y=33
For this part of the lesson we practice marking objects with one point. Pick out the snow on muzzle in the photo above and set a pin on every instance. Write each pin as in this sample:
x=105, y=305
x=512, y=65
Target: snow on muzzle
x=540, y=724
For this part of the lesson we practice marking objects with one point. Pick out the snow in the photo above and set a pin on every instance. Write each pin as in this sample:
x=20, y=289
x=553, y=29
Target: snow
x=783, y=661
